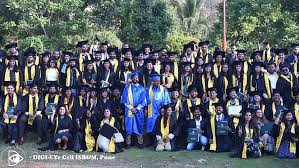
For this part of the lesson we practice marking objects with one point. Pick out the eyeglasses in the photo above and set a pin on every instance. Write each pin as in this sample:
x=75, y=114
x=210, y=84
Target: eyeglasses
x=285, y=70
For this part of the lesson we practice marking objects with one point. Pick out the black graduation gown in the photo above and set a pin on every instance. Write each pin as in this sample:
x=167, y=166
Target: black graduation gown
x=257, y=84
x=144, y=78
x=101, y=106
x=88, y=76
x=74, y=108
x=223, y=142
x=221, y=89
x=284, y=88
x=269, y=112
x=102, y=77
x=172, y=128
x=25, y=104
x=119, y=115
x=192, y=124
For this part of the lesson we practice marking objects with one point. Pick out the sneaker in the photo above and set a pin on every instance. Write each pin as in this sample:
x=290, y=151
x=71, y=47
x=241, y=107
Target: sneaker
x=203, y=148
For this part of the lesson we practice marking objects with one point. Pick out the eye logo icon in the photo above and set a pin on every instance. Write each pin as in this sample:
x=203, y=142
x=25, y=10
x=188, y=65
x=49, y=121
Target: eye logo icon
x=14, y=158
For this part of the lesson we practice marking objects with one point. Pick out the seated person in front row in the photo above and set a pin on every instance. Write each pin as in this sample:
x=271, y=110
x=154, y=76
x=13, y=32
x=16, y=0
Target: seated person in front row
x=102, y=142
x=62, y=125
x=286, y=132
x=165, y=129
x=219, y=130
x=200, y=123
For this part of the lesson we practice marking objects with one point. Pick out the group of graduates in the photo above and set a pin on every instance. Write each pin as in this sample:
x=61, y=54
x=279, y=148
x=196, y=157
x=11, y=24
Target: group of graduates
x=153, y=98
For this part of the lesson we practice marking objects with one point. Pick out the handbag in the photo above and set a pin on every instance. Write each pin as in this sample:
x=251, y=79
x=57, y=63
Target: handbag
x=118, y=138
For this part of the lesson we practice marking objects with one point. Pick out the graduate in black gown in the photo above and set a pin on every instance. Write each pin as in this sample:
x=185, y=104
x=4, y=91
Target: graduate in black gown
x=220, y=141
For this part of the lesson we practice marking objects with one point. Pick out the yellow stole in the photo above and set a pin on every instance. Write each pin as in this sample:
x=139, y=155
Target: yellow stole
x=6, y=103
x=177, y=107
x=216, y=70
x=189, y=104
x=225, y=84
x=165, y=130
x=210, y=83
x=267, y=85
x=69, y=104
x=213, y=146
x=279, y=138
x=158, y=65
x=56, y=71
x=7, y=78
x=235, y=119
x=81, y=65
x=150, y=106
x=171, y=78
x=56, y=99
x=80, y=101
x=248, y=133
x=245, y=67
x=290, y=81
x=266, y=55
x=273, y=109
x=31, y=112
x=115, y=66
x=26, y=73
x=296, y=67
x=296, y=112
x=207, y=56
x=111, y=147
x=89, y=139
x=244, y=83
x=36, y=62
x=108, y=75
x=211, y=107
x=176, y=70
x=130, y=98
x=68, y=76
x=90, y=102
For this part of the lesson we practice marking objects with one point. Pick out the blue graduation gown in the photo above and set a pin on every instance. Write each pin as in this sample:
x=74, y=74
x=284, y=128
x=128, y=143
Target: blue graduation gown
x=134, y=124
x=159, y=99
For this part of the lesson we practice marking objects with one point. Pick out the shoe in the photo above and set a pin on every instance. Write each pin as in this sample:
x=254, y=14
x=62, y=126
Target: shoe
x=12, y=143
x=39, y=141
x=21, y=141
x=203, y=148
x=128, y=146
x=140, y=146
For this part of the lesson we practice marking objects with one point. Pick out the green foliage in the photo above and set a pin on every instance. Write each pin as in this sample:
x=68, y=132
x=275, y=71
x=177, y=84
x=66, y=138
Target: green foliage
x=252, y=22
x=144, y=21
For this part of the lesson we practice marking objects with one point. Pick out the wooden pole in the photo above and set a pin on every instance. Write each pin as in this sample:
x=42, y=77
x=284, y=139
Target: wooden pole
x=224, y=42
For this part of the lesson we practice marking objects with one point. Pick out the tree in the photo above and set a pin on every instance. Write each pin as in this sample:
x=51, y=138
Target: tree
x=144, y=21
x=252, y=22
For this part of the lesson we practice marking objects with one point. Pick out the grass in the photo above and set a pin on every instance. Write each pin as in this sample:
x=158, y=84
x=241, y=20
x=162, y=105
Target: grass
x=142, y=158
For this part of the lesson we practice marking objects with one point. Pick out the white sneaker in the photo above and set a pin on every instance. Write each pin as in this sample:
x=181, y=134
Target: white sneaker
x=203, y=148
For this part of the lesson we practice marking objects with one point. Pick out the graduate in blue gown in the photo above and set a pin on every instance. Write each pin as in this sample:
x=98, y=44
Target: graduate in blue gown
x=134, y=99
x=157, y=96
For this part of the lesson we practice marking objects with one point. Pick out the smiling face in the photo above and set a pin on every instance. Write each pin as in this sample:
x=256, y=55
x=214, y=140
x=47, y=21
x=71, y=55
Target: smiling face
x=107, y=113
x=10, y=89
x=62, y=110
x=247, y=116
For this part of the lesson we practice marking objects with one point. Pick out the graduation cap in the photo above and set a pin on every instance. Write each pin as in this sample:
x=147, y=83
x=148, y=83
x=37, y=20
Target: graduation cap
x=32, y=84
x=81, y=43
x=51, y=84
x=197, y=107
x=202, y=43
x=93, y=89
x=83, y=87
x=73, y=59
x=266, y=43
x=171, y=53
x=98, y=52
x=260, y=64
x=88, y=62
x=217, y=52
x=295, y=45
x=97, y=39
x=187, y=63
x=138, y=52
x=134, y=74
x=67, y=88
x=166, y=106
x=282, y=50
x=13, y=57
x=235, y=63
x=256, y=53
x=116, y=87
x=241, y=51
x=106, y=60
x=155, y=77
x=10, y=83
x=275, y=91
x=147, y=46
x=125, y=50
x=172, y=89
x=46, y=53
x=155, y=51
x=233, y=89
x=254, y=93
x=67, y=53
x=192, y=88
x=112, y=49
x=212, y=89
x=11, y=45
x=104, y=89
x=191, y=46
x=219, y=104
x=31, y=51
x=149, y=60
x=127, y=60
x=104, y=43
x=273, y=50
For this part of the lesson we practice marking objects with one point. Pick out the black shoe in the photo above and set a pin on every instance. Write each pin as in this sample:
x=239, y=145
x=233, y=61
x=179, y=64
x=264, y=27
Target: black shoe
x=128, y=146
x=140, y=146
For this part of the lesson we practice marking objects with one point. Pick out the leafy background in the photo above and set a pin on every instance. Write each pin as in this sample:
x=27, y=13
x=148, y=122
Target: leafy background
x=59, y=24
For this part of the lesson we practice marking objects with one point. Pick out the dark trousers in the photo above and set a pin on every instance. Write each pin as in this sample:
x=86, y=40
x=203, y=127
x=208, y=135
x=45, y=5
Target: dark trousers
x=12, y=131
x=37, y=124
